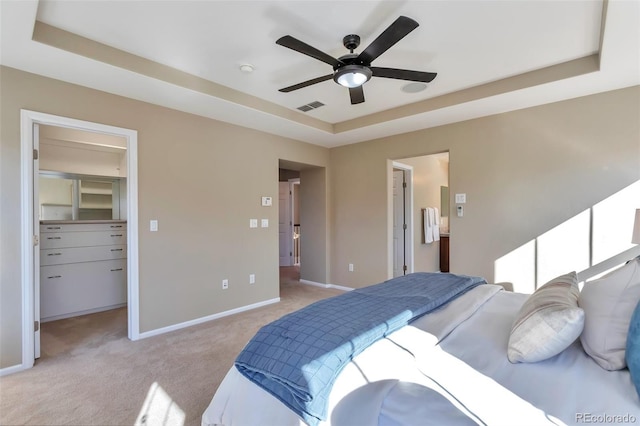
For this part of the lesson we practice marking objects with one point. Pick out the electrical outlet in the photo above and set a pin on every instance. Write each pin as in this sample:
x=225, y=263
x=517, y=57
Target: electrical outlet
x=252, y=278
x=225, y=284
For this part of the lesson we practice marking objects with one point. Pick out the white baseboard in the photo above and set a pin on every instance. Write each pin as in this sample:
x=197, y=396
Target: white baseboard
x=87, y=312
x=208, y=318
x=12, y=369
x=337, y=287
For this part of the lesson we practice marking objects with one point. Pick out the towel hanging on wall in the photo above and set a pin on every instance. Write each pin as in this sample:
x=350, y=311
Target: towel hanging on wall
x=436, y=224
x=427, y=219
x=431, y=225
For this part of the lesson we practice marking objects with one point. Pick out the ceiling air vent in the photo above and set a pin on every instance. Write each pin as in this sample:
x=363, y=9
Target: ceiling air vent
x=310, y=106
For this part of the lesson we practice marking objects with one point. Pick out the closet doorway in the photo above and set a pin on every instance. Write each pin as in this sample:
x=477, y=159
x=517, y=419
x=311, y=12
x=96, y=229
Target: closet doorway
x=92, y=196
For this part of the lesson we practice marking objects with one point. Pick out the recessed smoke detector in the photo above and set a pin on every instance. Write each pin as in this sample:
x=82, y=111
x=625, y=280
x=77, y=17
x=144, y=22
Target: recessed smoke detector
x=414, y=87
x=247, y=68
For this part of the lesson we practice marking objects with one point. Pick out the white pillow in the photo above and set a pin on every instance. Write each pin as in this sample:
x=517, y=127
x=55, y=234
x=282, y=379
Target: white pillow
x=608, y=303
x=548, y=322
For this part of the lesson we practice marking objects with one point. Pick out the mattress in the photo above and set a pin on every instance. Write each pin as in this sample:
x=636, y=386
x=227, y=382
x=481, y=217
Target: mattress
x=449, y=367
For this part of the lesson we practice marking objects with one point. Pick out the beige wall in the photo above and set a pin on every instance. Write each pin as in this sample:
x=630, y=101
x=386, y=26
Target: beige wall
x=187, y=179
x=524, y=172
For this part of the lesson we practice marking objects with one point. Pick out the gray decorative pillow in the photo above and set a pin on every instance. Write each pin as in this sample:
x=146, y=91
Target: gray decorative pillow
x=548, y=322
x=608, y=303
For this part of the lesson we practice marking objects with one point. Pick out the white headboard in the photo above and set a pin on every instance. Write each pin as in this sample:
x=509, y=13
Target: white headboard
x=610, y=263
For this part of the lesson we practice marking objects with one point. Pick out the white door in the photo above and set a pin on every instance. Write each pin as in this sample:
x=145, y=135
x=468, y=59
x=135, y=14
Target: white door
x=285, y=225
x=36, y=236
x=399, y=223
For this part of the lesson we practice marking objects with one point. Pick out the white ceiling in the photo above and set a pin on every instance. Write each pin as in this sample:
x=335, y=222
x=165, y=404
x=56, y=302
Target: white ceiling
x=472, y=45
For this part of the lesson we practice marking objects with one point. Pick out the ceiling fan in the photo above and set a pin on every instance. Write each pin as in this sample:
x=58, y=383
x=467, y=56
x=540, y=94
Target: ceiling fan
x=353, y=70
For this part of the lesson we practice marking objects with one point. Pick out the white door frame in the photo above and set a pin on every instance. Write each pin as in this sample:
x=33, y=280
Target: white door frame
x=292, y=201
x=409, y=218
x=287, y=227
x=27, y=121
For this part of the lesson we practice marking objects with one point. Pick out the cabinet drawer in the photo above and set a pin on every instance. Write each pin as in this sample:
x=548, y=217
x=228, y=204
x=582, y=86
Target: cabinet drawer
x=81, y=254
x=82, y=239
x=77, y=287
x=83, y=227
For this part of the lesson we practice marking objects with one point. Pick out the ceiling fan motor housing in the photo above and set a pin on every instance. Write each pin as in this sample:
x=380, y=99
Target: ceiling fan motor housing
x=351, y=42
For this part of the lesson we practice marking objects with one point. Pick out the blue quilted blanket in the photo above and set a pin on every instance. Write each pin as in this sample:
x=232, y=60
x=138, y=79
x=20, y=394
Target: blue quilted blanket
x=298, y=357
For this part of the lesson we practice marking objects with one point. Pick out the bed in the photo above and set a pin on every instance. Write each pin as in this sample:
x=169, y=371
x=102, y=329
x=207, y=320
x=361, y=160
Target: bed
x=455, y=365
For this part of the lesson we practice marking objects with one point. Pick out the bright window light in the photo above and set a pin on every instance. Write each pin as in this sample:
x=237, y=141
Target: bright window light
x=159, y=409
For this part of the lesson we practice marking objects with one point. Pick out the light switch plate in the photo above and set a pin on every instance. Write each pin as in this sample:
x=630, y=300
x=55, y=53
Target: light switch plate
x=461, y=198
x=153, y=225
x=265, y=223
x=266, y=201
x=253, y=223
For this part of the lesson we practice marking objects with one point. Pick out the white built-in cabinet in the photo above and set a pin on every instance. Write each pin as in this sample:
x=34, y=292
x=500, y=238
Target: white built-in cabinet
x=83, y=267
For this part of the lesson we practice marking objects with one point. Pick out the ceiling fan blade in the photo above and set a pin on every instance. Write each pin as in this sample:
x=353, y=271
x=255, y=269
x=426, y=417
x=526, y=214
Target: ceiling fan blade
x=393, y=34
x=306, y=83
x=357, y=95
x=425, y=77
x=304, y=48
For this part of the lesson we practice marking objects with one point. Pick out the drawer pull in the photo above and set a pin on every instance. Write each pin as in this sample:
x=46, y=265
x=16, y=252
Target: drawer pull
x=54, y=254
x=117, y=269
x=53, y=227
x=116, y=249
x=54, y=238
x=116, y=235
x=55, y=276
x=116, y=226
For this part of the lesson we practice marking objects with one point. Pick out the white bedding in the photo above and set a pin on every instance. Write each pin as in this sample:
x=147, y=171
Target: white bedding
x=448, y=367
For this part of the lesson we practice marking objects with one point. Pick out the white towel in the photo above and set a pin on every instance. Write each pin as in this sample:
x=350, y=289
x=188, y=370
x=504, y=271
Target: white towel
x=428, y=218
x=436, y=224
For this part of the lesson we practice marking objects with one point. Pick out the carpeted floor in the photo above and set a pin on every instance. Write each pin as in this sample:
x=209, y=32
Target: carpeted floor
x=91, y=374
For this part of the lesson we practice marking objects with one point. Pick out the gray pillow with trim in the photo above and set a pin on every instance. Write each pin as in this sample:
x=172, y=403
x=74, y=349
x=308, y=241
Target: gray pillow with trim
x=549, y=321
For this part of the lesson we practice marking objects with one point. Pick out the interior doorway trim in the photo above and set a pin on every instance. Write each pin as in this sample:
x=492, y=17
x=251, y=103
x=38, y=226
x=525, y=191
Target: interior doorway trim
x=27, y=121
x=292, y=205
x=395, y=165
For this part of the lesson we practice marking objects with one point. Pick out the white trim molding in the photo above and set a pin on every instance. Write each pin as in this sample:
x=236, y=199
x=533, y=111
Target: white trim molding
x=208, y=318
x=315, y=284
x=13, y=369
x=27, y=121
x=409, y=248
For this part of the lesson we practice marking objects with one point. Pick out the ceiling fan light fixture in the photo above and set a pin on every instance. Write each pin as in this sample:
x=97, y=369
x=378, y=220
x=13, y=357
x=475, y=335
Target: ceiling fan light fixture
x=352, y=76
